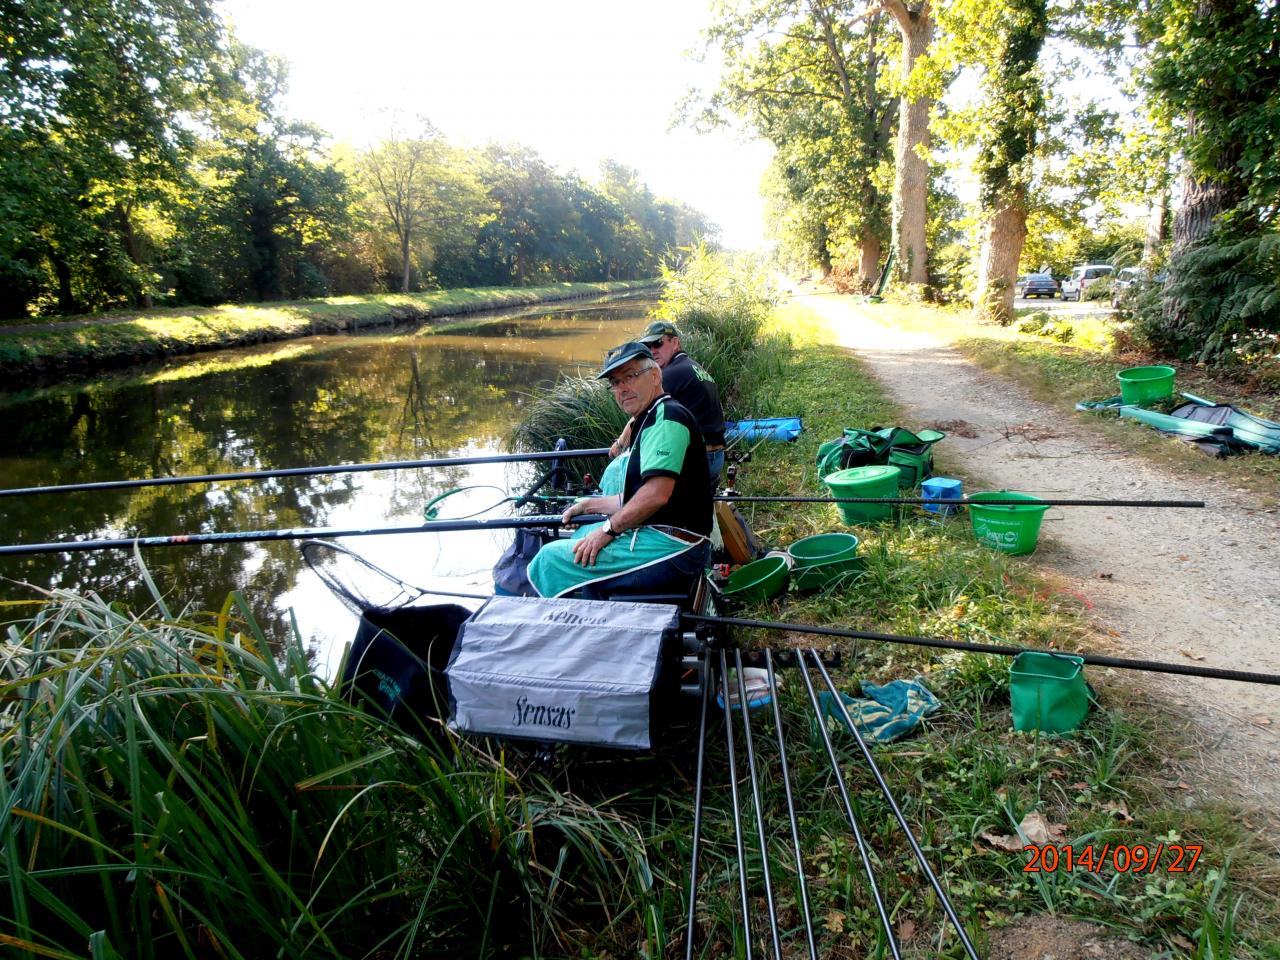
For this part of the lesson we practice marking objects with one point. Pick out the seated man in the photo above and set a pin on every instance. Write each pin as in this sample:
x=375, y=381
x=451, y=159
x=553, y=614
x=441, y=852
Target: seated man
x=690, y=386
x=655, y=539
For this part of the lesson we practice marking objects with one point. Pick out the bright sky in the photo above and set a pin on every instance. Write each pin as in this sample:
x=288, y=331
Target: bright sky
x=576, y=80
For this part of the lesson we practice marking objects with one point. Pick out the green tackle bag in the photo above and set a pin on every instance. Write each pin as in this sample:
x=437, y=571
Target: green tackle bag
x=912, y=453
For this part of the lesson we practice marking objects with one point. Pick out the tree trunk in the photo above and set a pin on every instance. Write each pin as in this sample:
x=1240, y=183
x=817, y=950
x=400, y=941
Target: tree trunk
x=1003, y=235
x=404, y=261
x=133, y=247
x=62, y=270
x=869, y=262
x=911, y=170
x=1157, y=225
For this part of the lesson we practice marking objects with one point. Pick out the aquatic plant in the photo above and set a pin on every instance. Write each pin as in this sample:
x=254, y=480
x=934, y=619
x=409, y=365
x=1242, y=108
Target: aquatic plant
x=172, y=788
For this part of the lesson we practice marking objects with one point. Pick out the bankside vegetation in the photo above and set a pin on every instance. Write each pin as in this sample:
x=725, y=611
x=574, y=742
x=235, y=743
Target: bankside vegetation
x=1067, y=115
x=145, y=159
x=720, y=303
x=125, y=337
x=173, y=787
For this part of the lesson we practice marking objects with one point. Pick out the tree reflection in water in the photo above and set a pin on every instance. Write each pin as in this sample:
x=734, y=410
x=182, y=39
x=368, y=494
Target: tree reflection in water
x=323, y=400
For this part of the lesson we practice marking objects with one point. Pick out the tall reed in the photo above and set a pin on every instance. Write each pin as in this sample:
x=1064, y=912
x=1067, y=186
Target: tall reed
x=171, y=789
x=720, y=305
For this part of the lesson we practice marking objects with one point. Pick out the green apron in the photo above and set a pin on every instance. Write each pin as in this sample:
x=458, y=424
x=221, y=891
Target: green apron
x=554, y=571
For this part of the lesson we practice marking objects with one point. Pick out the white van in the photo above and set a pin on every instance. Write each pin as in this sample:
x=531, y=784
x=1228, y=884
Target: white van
x=1082, y=277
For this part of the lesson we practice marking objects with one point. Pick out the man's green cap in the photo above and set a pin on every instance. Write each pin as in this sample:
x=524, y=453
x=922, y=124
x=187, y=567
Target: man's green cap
x=631, y=350
x=659, y=329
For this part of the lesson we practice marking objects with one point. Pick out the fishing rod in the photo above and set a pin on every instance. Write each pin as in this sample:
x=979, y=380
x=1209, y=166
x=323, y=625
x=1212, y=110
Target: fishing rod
x=1093, y=659
x=947, y=906
x=966, y=501
x=801, y=883
x=748, y=740
x=305, y=471
x=737, y=806
x=864, y=850
x=297, y=533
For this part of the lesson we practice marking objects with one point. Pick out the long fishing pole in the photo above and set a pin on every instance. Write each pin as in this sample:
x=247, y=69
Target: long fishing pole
x=737, y=808
x=967, y=501
x=774, y=699
x=1093, y=659
x=697, y=806
x=304, y=471
x=748, y=741
x=864, y=850
x=893, y=805
x=297, y=533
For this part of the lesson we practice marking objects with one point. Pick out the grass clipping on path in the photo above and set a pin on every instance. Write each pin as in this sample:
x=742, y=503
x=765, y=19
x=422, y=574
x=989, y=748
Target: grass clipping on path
x=966, y=776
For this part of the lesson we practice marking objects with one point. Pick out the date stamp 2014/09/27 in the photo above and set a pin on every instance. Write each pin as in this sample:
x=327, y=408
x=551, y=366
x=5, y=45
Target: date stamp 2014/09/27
x=1120, y=857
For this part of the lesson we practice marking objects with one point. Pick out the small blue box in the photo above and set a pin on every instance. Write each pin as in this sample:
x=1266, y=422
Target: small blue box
x=940, y=488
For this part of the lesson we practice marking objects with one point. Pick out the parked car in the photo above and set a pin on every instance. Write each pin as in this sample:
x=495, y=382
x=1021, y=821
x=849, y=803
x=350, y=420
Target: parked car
x=1082, y=278
x=1125, y=280
x=1040, y=285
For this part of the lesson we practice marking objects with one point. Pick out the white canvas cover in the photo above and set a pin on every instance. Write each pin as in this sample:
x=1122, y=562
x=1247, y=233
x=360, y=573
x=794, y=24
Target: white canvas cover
x=574, y=671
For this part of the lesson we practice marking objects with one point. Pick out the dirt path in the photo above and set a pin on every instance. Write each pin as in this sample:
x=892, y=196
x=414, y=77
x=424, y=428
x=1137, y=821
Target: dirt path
x=1169, y=584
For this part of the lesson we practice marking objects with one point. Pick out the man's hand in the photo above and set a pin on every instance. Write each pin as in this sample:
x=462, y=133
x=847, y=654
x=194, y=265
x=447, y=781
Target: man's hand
x=588, y=548
x=575, y=508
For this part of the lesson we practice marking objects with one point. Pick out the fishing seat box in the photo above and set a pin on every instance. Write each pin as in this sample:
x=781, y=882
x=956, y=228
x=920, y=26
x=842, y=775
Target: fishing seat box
x=590, y=672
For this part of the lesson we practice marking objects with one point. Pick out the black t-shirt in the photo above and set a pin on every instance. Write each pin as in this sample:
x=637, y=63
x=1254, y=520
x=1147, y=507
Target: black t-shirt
x=666, y=442
x=693, y=387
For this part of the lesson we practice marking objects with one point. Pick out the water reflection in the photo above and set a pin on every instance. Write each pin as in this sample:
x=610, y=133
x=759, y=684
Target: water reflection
x=388, y=396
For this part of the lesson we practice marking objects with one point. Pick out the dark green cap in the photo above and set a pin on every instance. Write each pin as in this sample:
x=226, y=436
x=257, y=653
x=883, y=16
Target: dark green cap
x=631, y=350
x=659, y=329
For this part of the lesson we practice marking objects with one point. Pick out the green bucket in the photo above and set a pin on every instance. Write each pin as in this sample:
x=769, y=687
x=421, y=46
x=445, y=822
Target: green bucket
x=1048, y=692
x=877, y=480
x=1011, y=528
x=758, y=580
x=819, y=575
x=1141, y=385
x=823, y=548
x=824, y=559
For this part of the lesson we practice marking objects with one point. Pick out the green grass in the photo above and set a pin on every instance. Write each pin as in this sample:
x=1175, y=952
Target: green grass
x=171, y=788
x=967, y=773
x=113, y=339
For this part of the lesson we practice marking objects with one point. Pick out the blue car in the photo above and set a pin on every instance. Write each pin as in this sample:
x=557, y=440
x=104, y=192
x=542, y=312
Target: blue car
x=1040, y=285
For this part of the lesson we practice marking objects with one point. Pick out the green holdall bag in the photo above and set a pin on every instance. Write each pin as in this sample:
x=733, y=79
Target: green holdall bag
x=1048, y=692
x=912, y=453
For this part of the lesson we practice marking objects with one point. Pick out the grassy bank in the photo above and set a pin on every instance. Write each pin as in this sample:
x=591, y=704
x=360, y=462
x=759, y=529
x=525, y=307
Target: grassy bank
x=173, y=789
x=88, y=344
x=967, y=776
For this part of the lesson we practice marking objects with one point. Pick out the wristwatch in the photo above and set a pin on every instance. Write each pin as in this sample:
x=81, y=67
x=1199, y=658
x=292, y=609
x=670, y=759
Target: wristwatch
x=608, y=528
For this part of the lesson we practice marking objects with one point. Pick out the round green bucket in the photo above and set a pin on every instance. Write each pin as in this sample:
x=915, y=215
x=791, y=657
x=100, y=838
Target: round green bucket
x=819, y=575
x=877, y=480
x=823, y=548
x=1144, y=384
x=758, y=580
x=824, y=559
x=1009, y=527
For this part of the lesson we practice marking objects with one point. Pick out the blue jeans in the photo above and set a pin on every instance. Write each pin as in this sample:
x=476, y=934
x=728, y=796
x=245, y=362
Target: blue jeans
x=674, y=575
x=715, y=465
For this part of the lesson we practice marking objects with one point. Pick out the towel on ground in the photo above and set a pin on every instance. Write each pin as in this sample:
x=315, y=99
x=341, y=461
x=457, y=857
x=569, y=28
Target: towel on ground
x=885, y=712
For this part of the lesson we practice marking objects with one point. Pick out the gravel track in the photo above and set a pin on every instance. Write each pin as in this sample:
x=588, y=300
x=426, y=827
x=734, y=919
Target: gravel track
x=1187, y=586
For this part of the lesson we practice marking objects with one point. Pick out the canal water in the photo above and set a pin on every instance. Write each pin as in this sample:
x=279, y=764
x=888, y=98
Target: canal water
x=395, y=395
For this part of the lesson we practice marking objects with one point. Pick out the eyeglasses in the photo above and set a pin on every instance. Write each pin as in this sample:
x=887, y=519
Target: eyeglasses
x=627, y=378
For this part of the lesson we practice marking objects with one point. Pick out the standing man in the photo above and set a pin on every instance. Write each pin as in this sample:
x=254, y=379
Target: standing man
x=691, y=386
x=655, y=537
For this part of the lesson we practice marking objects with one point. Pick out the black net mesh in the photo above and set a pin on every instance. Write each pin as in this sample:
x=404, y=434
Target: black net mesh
x=359, y=584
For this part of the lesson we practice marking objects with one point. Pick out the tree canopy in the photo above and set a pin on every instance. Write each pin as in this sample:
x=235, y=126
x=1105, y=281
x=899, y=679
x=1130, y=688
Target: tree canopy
x=145, y=158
